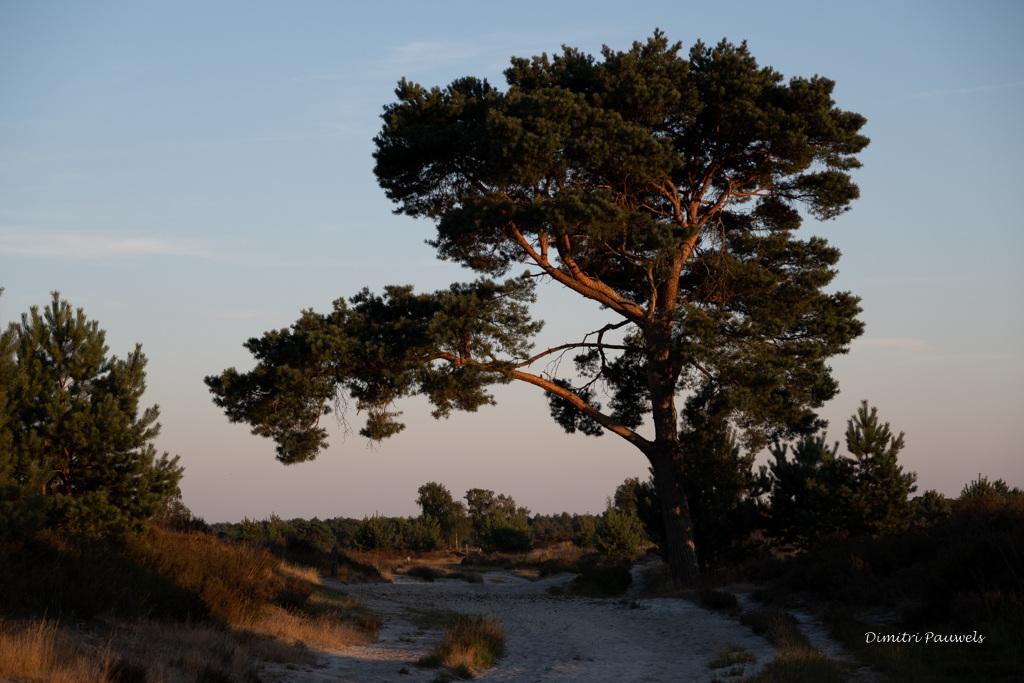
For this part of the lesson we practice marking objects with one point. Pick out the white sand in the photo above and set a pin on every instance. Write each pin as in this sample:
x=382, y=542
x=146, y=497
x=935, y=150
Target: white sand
x=549, y=638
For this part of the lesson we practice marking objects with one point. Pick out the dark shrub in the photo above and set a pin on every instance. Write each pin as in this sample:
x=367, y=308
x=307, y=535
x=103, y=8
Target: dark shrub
x=504, y=535
x=558, y=565
x=377, y=533
x=714, y=599
x=602, y=581
x=426, y=573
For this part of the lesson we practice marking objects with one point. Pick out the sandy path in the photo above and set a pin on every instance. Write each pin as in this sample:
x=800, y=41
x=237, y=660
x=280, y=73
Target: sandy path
x=549, y=638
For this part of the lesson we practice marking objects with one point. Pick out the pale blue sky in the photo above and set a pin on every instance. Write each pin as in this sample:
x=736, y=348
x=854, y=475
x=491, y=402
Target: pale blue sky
x=195, y=174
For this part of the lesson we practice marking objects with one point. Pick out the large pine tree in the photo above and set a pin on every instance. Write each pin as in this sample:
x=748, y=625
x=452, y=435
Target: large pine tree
x=665, y=189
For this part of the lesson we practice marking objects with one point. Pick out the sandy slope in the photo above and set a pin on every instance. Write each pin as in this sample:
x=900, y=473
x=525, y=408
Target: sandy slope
x=549, y=638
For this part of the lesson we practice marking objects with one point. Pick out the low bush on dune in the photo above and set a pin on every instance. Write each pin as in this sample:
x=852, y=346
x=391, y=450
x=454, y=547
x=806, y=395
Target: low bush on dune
x=475, y=641
x=163, y=574
x=553, y=559
x=558, y=566
x=717, y=600
x=468, y=577
x=161, y=603
x=425, y=573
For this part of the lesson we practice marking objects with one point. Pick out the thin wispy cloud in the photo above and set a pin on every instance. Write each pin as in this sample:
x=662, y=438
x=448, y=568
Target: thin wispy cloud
x=40, y=244
x=899, y=280
x=426, y=53
x=962, y=91
x=968, y=357
x=897, y=344
x=919, y=351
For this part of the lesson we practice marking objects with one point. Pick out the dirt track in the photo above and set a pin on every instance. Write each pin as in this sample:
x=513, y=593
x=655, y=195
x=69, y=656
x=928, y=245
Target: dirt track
x=549, y=638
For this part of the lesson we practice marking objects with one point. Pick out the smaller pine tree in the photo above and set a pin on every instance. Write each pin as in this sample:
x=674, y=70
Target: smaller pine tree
x=423, y=534
x=377, y=533
x=586, y=533
x=880, y=498
x=619, y=534
x=819, y=492
x=76, y=450
x=506, y=534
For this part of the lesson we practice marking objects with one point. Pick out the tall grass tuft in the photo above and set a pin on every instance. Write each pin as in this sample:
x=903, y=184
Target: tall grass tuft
x=468, y=643
x=40, y=651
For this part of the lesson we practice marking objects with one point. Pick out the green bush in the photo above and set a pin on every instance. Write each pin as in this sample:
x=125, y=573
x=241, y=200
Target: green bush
x=377, y=533
x=619, y=534
x=422, y=534
x=586, y=537
x=504, y=535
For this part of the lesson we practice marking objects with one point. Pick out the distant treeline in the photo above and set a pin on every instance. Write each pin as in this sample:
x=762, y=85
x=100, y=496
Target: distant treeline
x=341, y=531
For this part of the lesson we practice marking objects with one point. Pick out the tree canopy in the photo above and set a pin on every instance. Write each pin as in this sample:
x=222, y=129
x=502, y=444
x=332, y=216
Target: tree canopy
x=76, y=448
x=666, y=189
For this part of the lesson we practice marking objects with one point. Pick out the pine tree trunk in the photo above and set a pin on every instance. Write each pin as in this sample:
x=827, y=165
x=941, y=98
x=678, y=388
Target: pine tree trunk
x=666, y=462
x=680, y=549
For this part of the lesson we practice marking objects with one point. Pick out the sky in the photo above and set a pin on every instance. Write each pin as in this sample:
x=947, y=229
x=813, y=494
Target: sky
x=193, y=174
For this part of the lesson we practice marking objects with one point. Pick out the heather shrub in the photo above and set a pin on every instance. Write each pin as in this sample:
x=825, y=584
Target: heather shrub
x=426, y=573
x=162, y=574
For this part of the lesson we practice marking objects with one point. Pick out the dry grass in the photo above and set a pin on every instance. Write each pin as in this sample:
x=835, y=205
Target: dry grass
x=301, y=572
x=327, y=618
x=729, y=656
x=800, y=666
x=136, y=652
x=109, y=649
x=796, y=661
x=41, y=651
x=368, y=567
x=233, y=582
x=197, y=652
x=159, y=652
x=322, y=631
